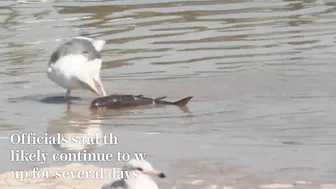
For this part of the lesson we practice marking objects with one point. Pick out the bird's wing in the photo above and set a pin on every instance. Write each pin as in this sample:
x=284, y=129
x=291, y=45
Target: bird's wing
x=141, y=182
x=119, y=184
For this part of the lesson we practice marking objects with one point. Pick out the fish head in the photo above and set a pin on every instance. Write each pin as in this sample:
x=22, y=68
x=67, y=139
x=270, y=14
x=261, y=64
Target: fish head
x=98, y=103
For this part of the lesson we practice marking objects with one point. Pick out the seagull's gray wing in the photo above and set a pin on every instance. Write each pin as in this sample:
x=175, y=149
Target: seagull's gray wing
x=119, y=184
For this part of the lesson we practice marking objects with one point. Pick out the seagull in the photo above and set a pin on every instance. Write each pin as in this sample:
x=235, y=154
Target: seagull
x=76, y=64
x=140, y=172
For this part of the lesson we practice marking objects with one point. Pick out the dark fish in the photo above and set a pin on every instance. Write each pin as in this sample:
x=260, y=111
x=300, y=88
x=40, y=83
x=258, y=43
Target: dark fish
x=126, y=101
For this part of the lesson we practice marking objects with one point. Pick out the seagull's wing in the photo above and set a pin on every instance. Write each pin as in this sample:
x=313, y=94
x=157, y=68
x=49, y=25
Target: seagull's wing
x=119, y=184
x=142, y=182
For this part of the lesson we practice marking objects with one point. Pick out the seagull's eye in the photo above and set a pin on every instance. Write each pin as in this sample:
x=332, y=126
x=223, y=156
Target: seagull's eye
x=140, y=169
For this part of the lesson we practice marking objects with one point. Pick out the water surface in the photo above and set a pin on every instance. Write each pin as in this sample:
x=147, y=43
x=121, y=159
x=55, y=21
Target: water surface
x=262, y=74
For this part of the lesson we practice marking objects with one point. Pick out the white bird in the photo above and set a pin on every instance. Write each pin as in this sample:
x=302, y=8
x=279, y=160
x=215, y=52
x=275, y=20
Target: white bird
x=76, y=65
x=140, y=172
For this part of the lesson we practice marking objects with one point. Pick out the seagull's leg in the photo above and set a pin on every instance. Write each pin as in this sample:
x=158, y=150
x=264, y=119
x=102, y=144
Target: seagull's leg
x=68, y=108
x=67, y=96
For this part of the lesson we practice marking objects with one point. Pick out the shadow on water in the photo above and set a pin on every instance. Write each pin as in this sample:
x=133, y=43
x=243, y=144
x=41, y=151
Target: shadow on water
x=44, y=99
x=58, y=99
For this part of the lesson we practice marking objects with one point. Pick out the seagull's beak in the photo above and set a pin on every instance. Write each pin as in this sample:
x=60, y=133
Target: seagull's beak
x=156, y=173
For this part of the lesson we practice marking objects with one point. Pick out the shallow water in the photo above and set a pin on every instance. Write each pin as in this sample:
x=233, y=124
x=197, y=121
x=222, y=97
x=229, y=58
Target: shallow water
x=261, y=73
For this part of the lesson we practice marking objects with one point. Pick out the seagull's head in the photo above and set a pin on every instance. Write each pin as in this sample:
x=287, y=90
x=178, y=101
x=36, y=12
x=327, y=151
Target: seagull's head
x=144, y=167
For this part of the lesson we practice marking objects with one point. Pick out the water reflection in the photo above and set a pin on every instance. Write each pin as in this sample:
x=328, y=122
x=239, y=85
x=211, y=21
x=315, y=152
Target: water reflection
x=81, y=132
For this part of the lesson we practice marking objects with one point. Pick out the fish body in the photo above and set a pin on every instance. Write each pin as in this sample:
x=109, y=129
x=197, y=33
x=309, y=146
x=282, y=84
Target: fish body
x=117, y=101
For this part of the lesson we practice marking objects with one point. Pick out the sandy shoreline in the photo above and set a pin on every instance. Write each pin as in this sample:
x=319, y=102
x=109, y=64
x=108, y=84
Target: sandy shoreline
x=96, y=181
x=53, y=181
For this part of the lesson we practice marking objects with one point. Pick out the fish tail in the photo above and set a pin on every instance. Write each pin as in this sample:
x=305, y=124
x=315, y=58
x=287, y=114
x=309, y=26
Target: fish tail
x=183, y=101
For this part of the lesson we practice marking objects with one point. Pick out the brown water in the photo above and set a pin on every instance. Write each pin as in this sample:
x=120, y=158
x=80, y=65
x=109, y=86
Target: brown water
x=262, y=73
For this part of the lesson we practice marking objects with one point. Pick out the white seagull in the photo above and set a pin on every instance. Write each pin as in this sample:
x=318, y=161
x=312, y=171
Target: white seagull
x=140, y=172
x=76, y=64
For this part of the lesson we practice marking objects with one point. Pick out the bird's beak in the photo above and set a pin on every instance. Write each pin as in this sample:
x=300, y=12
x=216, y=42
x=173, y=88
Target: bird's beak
x=156, y=173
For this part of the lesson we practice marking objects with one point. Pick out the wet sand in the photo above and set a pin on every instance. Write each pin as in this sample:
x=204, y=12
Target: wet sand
x=261, y=73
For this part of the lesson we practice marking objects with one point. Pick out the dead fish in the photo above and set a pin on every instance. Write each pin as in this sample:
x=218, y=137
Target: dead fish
x=117, y=101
